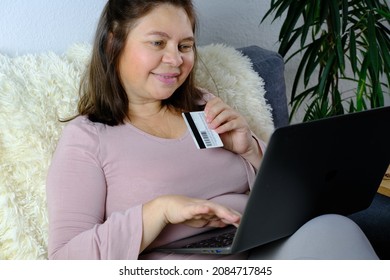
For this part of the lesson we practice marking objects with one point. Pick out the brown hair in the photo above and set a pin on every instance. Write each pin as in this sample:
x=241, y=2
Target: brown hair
x=103, y=98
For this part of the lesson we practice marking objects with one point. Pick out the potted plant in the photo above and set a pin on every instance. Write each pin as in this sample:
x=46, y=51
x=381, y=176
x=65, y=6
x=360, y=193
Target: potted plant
x=339, y=40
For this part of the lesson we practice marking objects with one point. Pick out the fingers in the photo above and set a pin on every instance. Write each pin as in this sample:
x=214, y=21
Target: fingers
x=214, y=215
x=221, y=117
x=199, y=213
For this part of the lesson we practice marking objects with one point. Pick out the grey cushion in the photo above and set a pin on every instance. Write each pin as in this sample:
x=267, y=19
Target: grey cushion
x=270, y=66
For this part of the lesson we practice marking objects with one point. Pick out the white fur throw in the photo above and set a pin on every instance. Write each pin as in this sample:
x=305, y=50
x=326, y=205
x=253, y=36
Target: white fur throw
x=37, y=90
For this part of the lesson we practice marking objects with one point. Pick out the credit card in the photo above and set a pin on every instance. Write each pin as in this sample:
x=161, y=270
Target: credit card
x=203, y=136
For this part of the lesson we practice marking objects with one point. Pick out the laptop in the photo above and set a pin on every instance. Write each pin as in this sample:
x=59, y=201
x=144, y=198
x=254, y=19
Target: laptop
x=332, y=165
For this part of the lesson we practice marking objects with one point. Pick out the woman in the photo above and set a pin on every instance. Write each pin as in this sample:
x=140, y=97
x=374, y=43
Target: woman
x=126, y=176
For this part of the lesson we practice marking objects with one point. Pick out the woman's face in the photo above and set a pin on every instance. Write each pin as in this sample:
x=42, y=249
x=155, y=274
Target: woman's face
x=158, y=55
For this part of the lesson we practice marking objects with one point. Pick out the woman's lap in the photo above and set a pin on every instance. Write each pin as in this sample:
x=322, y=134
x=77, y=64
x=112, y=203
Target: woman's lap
x=325, y=237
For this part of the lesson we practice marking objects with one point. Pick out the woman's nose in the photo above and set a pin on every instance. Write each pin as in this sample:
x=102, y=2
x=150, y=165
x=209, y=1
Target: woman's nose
x=173, y=56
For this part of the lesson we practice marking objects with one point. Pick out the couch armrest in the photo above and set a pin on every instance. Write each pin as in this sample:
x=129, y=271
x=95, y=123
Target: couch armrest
x=270, y=66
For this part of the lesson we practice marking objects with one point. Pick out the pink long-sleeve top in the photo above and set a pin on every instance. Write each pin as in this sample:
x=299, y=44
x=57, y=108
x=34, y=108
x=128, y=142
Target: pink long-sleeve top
x=100, y=176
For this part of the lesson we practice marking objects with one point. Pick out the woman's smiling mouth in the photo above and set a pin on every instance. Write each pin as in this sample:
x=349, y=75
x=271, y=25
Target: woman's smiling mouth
x=167, y=78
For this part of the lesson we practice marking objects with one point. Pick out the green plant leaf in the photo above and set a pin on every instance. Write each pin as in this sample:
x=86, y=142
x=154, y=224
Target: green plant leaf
x=372, y=48
x=362, y=84
x=274, y=7
x=352, y=50
x=298, y=74
x=334, y=27
x=313, y=59
x=309, y=21
x=344, y=9
x=385, y=51
x=325, y=74
x=299, y=100
x=383, y=13
x=288, y=27
x=323, y=12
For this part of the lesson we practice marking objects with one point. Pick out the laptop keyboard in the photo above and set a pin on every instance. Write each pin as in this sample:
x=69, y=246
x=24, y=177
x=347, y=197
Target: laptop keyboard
x=222, y=240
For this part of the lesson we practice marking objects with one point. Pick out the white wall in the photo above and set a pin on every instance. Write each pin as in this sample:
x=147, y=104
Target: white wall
x=30, y=26
x=236, y=23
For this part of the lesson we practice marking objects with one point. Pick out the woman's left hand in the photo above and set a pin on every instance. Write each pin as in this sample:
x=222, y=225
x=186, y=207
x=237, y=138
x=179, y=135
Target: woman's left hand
x=233, y=130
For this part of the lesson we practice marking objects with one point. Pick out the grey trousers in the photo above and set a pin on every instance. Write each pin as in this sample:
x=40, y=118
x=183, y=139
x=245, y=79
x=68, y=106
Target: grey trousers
x=327, y=237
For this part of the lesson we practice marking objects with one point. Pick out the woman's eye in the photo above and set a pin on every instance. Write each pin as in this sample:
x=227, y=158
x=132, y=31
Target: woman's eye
x=186, y=47
x=157, y=43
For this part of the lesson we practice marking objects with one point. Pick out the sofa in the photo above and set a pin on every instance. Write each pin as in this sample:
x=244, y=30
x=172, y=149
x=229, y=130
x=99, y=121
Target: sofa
x=37, y=90
x=270, y=66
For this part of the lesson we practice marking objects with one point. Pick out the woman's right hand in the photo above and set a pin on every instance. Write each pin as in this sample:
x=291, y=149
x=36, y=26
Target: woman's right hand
x=198, y=213
x=175, y=209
